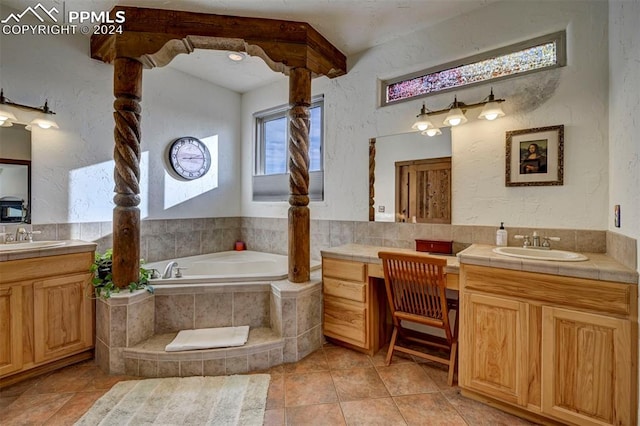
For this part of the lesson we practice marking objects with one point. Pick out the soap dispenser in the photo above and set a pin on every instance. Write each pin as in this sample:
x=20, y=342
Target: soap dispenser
x=501, y=235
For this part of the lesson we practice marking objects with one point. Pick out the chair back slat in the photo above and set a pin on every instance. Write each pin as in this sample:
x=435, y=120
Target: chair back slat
x=416, y=284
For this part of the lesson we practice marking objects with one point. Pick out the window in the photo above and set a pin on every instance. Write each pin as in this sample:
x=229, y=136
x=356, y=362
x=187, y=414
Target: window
x=529, y=56
x=271, y=175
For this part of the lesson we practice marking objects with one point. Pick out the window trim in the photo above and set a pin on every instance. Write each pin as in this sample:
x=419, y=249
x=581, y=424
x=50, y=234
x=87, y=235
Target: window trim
x=561, y=60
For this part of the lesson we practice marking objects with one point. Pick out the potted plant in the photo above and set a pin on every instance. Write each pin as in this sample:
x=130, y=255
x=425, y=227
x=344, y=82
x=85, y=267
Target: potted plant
x=102, y=281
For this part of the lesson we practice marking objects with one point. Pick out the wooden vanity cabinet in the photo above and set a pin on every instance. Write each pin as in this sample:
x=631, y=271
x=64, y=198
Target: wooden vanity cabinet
x=354, y=305
x=346, y=316
x=10, y=328
x=559, y=348
x=46, y=314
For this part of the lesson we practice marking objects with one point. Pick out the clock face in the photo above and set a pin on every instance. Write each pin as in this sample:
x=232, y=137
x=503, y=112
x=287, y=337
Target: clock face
x=189, y=157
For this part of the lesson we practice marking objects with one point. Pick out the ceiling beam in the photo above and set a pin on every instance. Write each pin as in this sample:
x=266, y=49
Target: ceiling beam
x=156, y=36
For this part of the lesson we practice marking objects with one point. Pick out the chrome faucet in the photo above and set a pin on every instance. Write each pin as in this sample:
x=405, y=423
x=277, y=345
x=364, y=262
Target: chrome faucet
x=535, y=241
x=168, y=270
x=21, y=234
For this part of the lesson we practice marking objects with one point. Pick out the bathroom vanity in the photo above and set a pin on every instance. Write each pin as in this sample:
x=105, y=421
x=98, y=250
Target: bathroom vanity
x=355, y=302
x=46, y=309
x=552, y=341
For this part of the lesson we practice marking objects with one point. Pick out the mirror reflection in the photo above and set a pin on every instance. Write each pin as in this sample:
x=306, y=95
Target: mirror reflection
x=15, y=174
x=411, y=177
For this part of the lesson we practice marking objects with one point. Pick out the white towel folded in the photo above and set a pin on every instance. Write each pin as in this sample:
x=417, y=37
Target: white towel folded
x=207, y=338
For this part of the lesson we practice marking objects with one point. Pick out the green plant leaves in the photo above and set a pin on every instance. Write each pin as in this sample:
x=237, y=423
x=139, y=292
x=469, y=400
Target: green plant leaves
x=103, y=282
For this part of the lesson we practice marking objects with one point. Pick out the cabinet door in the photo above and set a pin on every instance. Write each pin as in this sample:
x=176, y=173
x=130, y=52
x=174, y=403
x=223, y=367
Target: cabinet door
x=586, y=366
x=63, y=311
x=10, y=328
x=493, y=348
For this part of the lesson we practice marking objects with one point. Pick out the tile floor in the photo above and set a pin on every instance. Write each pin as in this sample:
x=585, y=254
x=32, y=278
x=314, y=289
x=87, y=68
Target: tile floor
x=332, y=386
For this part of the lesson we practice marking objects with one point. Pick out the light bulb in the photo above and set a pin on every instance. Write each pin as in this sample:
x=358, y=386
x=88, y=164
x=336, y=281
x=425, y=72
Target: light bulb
x=432, y=132
x=455, y=117
x=423, y=126
x=44, y=123
x=6, y=115
x=491, y=116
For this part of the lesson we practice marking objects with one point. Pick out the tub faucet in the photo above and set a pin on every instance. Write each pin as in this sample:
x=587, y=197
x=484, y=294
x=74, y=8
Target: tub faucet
x=168, y=270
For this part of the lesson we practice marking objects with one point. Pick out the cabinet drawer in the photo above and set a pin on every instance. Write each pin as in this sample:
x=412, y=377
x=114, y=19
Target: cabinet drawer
x=345, y=289
x=354, y=271
x=346, y=321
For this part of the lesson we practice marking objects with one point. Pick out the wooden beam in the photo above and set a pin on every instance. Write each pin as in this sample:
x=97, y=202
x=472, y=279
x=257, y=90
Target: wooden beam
x=146, y=32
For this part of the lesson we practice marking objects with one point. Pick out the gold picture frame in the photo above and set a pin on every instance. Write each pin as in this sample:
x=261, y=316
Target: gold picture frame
x=535, y=157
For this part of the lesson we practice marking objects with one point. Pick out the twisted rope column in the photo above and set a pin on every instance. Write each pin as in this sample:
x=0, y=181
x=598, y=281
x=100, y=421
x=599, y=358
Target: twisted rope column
x=127, y=89
x=299, y=218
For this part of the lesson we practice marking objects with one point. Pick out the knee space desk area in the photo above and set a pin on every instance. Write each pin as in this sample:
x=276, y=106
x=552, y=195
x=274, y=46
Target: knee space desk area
x=553, y=342
x=355, y=303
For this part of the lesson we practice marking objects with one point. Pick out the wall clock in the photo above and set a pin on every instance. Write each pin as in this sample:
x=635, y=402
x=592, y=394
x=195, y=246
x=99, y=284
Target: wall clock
x=189, y=157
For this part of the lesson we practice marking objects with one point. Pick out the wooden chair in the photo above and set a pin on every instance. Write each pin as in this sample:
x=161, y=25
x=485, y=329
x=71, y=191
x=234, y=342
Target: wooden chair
x=416, y=290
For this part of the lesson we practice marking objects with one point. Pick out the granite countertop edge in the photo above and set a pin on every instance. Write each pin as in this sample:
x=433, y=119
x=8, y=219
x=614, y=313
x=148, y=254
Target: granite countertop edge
x=69, y=247
x=369, y=254
x=599, y=266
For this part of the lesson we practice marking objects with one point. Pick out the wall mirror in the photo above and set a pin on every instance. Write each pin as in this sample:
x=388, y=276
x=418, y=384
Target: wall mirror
x=15, y=174
x=398, y=161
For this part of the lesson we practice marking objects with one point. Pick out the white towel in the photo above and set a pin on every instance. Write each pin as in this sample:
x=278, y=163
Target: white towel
x=207, y=338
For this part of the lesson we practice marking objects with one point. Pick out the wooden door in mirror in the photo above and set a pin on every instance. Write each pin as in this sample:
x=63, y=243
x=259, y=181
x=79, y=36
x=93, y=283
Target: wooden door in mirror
x=423, y=190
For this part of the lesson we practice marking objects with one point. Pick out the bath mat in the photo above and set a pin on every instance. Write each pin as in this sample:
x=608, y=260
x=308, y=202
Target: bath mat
x=222, y=400
x=207, y=338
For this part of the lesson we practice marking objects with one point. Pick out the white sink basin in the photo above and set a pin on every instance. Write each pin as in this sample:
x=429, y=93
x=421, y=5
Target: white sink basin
x=538, y=254
x=34, y=245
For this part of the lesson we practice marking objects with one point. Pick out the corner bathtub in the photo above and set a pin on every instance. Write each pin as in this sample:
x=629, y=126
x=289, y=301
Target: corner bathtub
x=227, y=267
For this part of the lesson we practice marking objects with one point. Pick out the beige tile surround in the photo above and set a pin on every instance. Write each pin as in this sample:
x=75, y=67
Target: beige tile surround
x=132, y=329
x=170, y=238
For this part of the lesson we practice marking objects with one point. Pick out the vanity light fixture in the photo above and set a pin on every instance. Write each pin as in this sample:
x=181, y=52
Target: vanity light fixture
x=491, y=109
x=422, y=123
x=44, y=119
x=434, y=131
x=455, y=114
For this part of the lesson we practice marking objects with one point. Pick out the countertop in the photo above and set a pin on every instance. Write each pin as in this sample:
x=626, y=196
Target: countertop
x=598, y=267
x=369, y=254
x=69, y=247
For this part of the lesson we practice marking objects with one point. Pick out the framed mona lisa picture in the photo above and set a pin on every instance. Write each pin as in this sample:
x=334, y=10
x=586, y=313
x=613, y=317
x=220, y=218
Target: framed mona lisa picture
x=535, y=156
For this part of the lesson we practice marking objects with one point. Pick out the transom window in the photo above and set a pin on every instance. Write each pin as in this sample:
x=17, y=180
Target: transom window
x=537, y=54
x=270, y=181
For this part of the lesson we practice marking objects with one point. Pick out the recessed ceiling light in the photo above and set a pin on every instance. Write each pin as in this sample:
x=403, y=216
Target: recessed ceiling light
x=236, y=56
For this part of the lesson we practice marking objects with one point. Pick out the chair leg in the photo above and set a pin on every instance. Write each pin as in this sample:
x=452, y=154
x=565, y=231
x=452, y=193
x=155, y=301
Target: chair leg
x=392, y=343
x=452, y=363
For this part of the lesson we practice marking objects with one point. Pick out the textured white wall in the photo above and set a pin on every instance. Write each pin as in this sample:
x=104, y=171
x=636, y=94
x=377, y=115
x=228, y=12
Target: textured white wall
x=73, y=168
x=624, y=113
x=575, y=96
